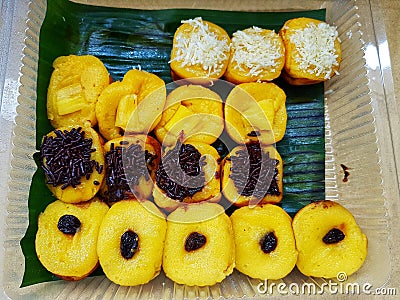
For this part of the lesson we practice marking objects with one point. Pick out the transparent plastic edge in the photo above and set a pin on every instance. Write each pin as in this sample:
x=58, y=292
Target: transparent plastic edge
x=383, y=90
x=14, y=14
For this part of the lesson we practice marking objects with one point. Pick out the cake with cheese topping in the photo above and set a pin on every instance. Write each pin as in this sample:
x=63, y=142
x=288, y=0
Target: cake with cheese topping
x=313, y=51
x=200, y=50
x=257, y=54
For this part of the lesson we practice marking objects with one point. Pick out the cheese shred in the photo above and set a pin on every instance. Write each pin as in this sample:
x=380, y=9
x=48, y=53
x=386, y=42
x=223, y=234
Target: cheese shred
x=201, y=47
x=315, y=48
x=255, y=50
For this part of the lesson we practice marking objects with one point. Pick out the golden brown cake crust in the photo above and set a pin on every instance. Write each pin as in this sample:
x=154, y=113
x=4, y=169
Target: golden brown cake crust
x=256, y=55
x=211, y=260
x=328, y=240
x=313, y=52
x=70, y=256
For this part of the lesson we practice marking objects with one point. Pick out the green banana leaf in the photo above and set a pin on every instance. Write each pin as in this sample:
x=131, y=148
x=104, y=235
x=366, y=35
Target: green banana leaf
x=126, y=38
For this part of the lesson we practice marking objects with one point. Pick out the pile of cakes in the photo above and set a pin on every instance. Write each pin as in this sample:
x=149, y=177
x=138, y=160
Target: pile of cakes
x=140, y=188
x=305, y=50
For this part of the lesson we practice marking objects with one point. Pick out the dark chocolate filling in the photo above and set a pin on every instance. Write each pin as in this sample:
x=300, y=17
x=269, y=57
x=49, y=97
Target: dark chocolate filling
x=268, y=242
x=129, y=244
x=259, y=180
x=333, y=236
x=68, y=224
x=195, y=241
x=67, y=158
x=184, y=163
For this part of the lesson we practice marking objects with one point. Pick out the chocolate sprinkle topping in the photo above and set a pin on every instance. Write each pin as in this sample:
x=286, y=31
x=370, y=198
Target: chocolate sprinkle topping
x=66, y=158
x=124, y=167
x=259, y=180
x=184, y=163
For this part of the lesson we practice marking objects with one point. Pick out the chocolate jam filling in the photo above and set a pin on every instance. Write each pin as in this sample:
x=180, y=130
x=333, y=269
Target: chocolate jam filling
x=67, y=158
x=122, y=160
x=333, y=236
x=257, y=181
x=129, y=244
x=268, y=242
x=68, y=224
x=195, y=241
x=184, y=163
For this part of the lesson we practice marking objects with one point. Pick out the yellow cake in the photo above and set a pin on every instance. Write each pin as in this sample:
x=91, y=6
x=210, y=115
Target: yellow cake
x=188, y=173
x=73, y=162
x=199, y=246
x=75, y=85
x=256, y=111
x=256, y=54
x=313, y=52
x=200, y=50
x=328, y=240
x=192, y=112
x=263, y=186
x=66, y=240
x=130, y=165
x=131, y=242
x=264, y=241
x=133, y=105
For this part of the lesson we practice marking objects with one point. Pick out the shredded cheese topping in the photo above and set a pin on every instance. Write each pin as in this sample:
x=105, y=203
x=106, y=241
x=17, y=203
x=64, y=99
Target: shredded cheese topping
x=201, y=47
x=255, y=51
x=315, y=47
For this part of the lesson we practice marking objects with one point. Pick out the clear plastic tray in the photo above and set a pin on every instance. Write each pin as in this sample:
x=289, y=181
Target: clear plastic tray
x=360, y=115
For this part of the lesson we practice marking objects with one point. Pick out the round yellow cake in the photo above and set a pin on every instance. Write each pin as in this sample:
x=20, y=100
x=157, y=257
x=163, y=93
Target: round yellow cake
x=313, y=51
x=192, y=112
x=200, y=51
x=256, y=54
x=264, y=241
x=256, y=111
x=66, y=240
x=73, y=162
x=75, y=85
x=199, y=246
x=329, y=240
x=188, y=173
x=131, y=242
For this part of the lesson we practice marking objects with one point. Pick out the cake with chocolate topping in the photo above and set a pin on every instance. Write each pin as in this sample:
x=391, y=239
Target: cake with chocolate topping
x=188, y=173
x=252, y=174
x=131, y=162
x=73, y=163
